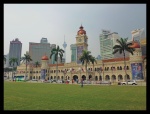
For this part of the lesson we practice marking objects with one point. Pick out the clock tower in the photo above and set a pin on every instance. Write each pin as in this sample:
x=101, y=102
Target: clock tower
x=81, y=42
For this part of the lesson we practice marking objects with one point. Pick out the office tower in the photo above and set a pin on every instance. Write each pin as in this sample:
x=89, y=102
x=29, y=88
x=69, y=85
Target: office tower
x=44, y=40
x=37, y=50
x=7, y=61
x=107, y=41
x=52, y=61
x=139, y=35
x=15, y=50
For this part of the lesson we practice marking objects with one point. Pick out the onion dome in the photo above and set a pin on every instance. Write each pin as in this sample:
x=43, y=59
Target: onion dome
x=81, y=31
x=135, y=45
x=44, y=57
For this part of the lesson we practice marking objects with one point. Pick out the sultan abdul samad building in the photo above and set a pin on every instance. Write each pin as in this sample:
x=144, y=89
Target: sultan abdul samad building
x=111, y=69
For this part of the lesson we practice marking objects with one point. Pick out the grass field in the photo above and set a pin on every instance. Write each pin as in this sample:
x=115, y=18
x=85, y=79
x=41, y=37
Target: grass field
x=46, y=96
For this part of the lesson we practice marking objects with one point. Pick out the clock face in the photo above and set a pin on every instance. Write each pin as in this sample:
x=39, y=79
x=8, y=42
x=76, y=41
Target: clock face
x=80, y=40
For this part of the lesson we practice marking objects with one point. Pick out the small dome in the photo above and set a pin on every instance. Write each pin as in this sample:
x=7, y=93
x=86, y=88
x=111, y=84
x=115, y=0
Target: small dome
x=44, y=57
x=135, y=45
x=81, y=31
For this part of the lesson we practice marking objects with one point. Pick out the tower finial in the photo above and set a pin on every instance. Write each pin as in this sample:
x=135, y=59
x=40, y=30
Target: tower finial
x=64, y=38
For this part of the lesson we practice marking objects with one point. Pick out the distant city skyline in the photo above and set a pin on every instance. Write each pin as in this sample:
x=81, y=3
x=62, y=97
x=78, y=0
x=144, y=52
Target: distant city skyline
x=31, y=22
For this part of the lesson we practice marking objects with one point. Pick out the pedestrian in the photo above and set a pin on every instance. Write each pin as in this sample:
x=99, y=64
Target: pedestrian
x=77, y=81
x=82, y=82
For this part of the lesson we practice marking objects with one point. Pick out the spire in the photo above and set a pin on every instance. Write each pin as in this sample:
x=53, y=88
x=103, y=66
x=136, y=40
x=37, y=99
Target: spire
x=64, y=44
x=64, y=38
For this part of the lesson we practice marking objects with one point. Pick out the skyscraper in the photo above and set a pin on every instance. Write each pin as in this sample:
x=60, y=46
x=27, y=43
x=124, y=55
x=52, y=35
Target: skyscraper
x=107, y=41
x=37, y=50
x=15, y=50
x=139, y=35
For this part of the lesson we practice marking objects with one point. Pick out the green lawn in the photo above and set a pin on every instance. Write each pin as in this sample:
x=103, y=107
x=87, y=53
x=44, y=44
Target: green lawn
x=46, y=96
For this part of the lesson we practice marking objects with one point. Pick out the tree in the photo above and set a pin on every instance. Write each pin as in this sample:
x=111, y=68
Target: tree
x=37, y=63
x=26, y=59
x=57, y=52
x=93, y=60
x=85, y=58
x=123, y=46
x=12, y=62
x=4, y=59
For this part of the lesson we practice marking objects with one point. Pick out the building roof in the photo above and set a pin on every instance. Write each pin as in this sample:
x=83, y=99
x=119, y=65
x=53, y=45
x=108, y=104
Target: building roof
x=44, y=57
x=115, y=60
x=81, y=31
x=135, y=44
x=51, y=65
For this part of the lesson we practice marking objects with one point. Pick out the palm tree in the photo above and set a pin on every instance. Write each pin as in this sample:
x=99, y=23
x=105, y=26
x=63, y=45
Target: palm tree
x=123, y=46
x=93, y=60
x=4, y=59
x=12, y=62
x=85, y=58
x=57, y=52
x=37, y=63
x=26, y=59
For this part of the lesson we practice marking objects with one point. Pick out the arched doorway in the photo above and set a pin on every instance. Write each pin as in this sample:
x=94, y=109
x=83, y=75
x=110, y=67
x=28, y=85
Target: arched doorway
x=90, y=77
x=113, y=78
x=107, y=78
x=100, y=78
x=75, y=77
x=127, y=77
x=96, y=78
x=120, y=78
x=83, y=77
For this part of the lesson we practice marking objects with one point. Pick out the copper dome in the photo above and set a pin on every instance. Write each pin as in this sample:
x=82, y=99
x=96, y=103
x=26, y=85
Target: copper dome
x=44, y=57
x=135, y=45
x=81, y=31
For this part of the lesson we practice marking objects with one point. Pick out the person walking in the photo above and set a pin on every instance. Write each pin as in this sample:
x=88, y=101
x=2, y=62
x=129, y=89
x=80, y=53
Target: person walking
x=82, y=82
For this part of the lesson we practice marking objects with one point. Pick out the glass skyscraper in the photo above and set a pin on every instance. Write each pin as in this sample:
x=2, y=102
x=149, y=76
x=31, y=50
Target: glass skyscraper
x=15, y=50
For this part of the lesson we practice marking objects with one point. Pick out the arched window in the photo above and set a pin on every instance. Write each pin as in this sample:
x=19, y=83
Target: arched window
x=120, y=68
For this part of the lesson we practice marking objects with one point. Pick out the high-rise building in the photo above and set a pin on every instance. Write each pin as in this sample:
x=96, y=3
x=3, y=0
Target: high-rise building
x=44, y=40
x=73, y=48
x=139, y=35
x=52, y=58
x=37, y=50
x=107, y=41
x=15, y=50
x=6, y=64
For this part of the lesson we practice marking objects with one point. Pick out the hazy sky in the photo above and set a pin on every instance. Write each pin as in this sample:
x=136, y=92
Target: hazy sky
x=31, y=22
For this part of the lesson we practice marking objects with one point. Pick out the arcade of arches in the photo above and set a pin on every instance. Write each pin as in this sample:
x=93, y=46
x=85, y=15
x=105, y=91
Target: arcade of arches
x=112, y=70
